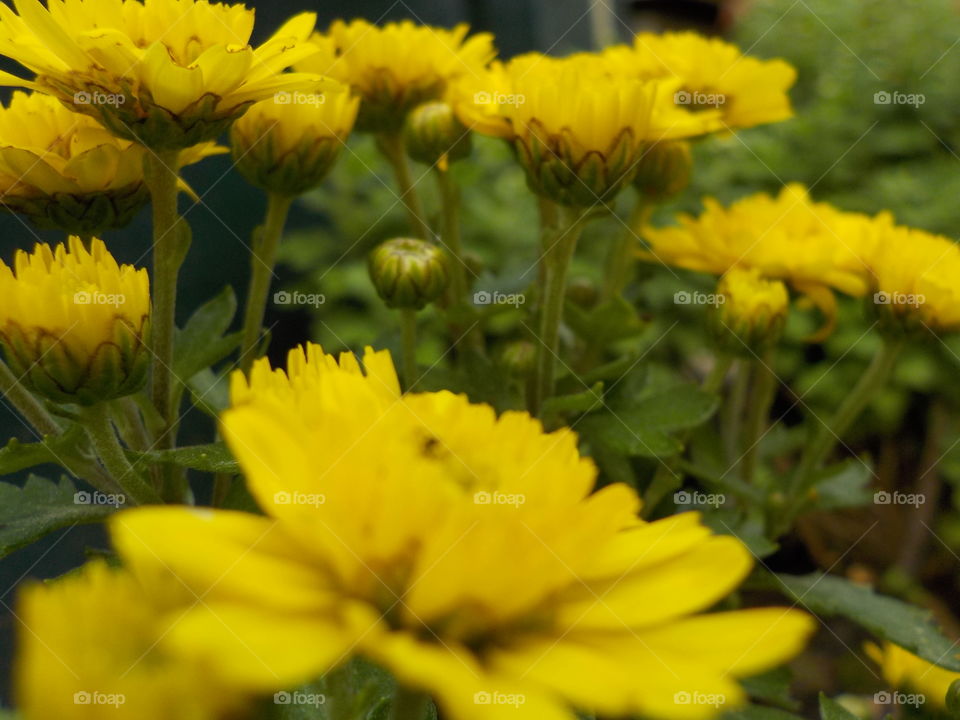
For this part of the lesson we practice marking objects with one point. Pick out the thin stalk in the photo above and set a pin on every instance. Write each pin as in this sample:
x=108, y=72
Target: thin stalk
x=408, y=704
x=25, y=403
x=758, y=413
x=827, y=434
x=733, y=411
x=391, y=144
x=262, y=262
x=559, y=247
x=408, y=340
x=170, y=244
x=620, y=258
x=96, y=421
x=450, y=235
x=718, y=373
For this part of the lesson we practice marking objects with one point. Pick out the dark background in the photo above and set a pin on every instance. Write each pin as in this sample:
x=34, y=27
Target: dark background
x=229, y=209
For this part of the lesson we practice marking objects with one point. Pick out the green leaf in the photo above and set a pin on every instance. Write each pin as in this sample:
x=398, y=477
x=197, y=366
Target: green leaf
x=832, y=710
x=582, y=402
x=644, y=429
x=42, y=506
x=844, y=485
x=772, y=687
x=606, y=323
x=888, y=618
x=202, y=341
x=214, y=458
x=16, y=456
x=210, y=392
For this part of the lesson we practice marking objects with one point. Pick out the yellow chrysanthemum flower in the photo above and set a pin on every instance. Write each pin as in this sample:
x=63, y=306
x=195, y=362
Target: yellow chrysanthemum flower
x=579, y=130
x=73, y=323
x=714, y=74
x=397, y=66
x=902, y=670
x=465, y=552
x=166, y=73
x=64, y=170
x=917, y=277
x=289, y=143
x=751, y=308
x=92, y=646
x=812, y=246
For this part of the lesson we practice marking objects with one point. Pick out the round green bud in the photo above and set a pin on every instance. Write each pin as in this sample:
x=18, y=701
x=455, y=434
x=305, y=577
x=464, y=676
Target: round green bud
x=953, y=699
x=408, y=273
x=519, y=357
x=434, y=136
x=664, y=170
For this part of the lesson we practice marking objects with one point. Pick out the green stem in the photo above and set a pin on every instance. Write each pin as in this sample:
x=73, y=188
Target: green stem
x=391, y=144
x=733, y=411
x=25, y=403
x=620, y=258
x=758, y=414
x=408, y=339
x=450, y=198
x=718, y=373
x=558, y=247
x=170, y=244
x=826, y=435
x=96, y=421
x=262, y=261
x=408, y=705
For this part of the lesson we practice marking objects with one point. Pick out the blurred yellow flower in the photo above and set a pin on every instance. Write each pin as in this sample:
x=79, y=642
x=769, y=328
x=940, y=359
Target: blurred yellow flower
x=813, y=247
x=92, y=646
x=64, y=170
x=73, y=323
x=714, y=74
x=166, y=73
x=465, y=552
x=579, y=130
x=917, y=277
x=288, y=143
x=752, y=308
x=902, y=670
x=397, y=66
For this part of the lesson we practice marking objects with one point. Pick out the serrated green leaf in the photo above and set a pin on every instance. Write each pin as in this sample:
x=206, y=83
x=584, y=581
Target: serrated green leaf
x=844, y=485
x=579, y=402
x=606, y=323
x=832, y=710
x=202, y=341
x=613, y=433
x=214, y=458
x=16, y=456
x=210, y=392
x=772, y=687
x=888, y=618
x=40, y=507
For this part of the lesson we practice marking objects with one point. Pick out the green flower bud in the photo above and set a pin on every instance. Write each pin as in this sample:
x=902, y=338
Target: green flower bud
x=953, y=699
x=582, y=292
x=434, y=136
x=519, y=357
x=408, y=273
x=749, y=311
x=664, y=170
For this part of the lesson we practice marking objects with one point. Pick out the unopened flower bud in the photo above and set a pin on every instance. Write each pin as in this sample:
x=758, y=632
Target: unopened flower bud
x=519, y=357
x=74, y=323
x=434, y=136
x=408, y=273
x=750, y=311
x=664, y=170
